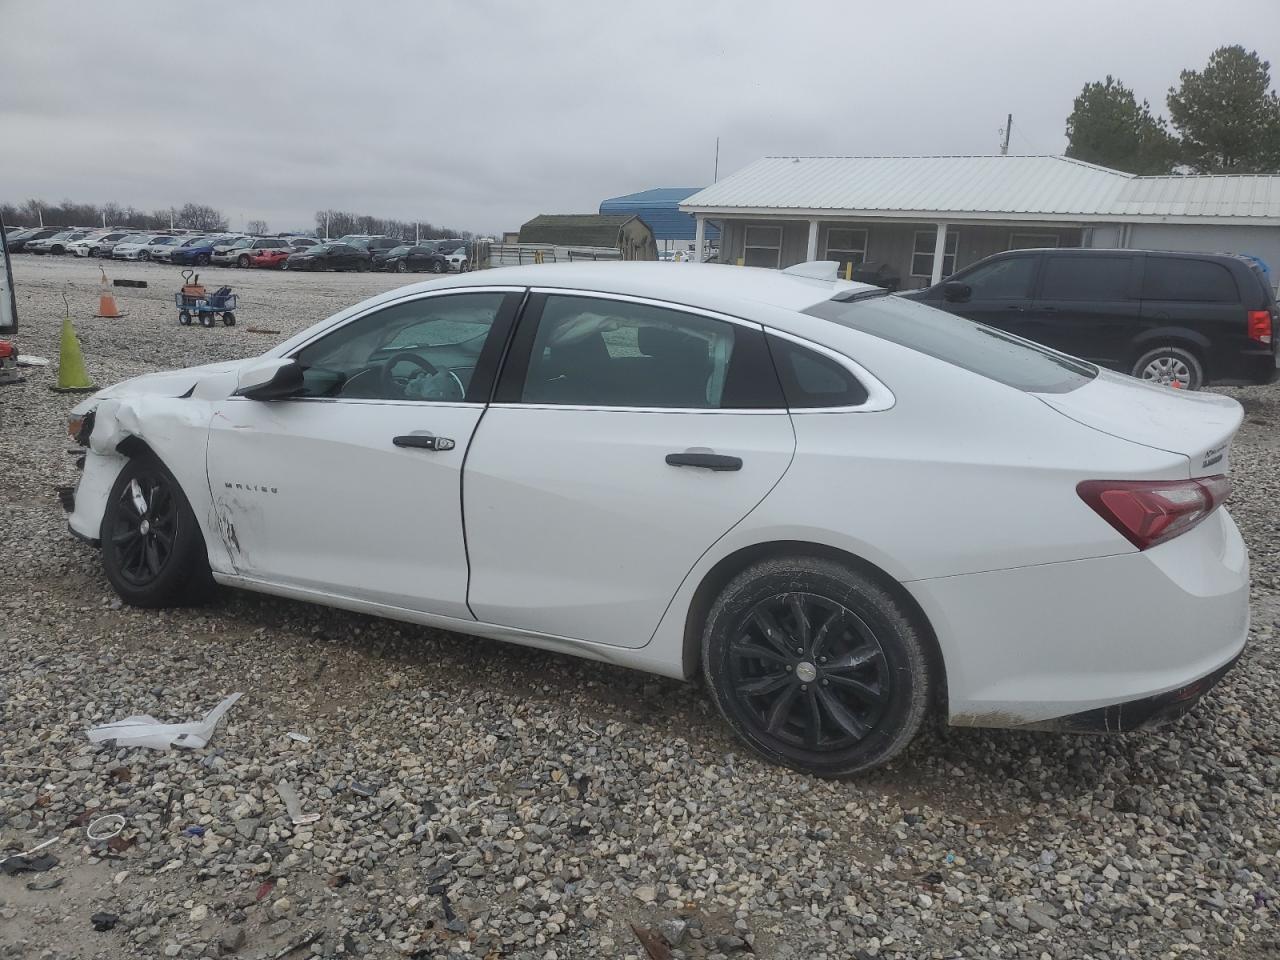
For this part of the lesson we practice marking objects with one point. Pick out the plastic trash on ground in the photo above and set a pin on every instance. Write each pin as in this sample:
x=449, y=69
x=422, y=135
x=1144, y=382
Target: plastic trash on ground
x=146, y=731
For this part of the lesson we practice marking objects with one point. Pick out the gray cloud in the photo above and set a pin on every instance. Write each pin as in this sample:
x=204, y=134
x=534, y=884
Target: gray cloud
x=482, y=114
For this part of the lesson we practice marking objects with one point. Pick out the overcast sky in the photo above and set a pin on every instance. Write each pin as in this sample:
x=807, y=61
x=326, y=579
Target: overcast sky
x=480, y=114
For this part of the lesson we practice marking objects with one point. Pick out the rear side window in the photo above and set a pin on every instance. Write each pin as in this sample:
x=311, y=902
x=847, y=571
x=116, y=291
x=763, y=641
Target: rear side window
x=971, y=346
x=811, y=380
x=1179, y=278
x=1086, y=278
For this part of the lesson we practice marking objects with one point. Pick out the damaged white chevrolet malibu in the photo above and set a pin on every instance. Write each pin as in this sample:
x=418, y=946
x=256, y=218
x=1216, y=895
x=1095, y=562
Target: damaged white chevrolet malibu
x=845, y=511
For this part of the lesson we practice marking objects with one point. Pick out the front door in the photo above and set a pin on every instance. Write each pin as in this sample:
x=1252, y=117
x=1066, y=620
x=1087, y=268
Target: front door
x=626, y=438
x=353, y=486
x=999, y=292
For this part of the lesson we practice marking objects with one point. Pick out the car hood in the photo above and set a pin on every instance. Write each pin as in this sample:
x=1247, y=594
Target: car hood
x=1199, y=426
x=166, y=383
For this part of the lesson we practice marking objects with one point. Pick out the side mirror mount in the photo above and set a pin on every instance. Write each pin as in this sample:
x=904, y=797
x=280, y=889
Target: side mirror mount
x=953, y=291
x=276, y=378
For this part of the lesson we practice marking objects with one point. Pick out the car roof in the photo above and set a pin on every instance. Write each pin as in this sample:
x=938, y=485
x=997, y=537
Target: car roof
x=1120, y=252
x=705, y=285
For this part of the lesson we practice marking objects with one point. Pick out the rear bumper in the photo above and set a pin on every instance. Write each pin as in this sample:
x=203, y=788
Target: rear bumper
x=1065, y=645
x=1245, y=367
x=1143, y=714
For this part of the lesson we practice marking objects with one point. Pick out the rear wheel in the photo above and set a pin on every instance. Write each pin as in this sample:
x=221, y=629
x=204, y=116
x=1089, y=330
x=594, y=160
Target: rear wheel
x=1171, y=367
x=184, y=318
x=229, y=319
x=816, y=666
x=152, y=549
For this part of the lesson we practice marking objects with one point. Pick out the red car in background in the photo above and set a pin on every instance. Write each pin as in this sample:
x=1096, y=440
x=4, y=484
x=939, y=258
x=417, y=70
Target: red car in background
x=269, y=259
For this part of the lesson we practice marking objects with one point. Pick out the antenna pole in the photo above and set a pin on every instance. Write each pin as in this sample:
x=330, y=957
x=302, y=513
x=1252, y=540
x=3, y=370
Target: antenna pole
x=1008, y=129
x=716, y=176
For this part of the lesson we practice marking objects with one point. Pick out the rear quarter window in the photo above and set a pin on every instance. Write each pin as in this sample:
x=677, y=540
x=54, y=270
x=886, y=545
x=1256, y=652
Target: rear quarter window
x=972, y=346
x=1180, y=278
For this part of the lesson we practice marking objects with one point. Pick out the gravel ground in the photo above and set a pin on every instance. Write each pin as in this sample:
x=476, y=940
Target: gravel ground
x=550, y=802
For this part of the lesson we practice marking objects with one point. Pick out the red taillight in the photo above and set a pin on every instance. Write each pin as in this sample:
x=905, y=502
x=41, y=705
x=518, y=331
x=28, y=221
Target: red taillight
x=1260, y=325
x=1148, y=512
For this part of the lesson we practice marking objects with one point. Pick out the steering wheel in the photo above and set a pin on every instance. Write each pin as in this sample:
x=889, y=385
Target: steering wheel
x=388, y=381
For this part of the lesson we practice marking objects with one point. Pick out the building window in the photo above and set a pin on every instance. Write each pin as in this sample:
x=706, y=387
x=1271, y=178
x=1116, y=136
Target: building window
x=1032, y=241
x=762, y=247
x=847, y=246
x=922, y=253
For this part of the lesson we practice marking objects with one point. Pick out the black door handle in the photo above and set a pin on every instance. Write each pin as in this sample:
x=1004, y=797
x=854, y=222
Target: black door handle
x=709, y=461
x=423, y=441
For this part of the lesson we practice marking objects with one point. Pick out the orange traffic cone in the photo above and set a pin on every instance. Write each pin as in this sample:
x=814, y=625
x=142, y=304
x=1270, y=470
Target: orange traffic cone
x=107, y=302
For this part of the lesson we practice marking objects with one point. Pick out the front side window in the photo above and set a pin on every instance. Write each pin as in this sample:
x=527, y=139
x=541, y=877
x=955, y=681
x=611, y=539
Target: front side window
x=594, y=352
x=1086, y=278
x=1008, y=279
x=849, y=247
x=1180, y=278
x=425, y=349
x=922, y=253
x=762, y=247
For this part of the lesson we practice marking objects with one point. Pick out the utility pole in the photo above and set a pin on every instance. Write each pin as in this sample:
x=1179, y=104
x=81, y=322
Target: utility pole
x=1008, y=129
x=417, y=234
x=326, y=224
x=716, y=176
x=40, y=214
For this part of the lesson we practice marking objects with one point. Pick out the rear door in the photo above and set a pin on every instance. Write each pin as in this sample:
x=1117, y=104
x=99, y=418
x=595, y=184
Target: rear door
x=1087, y=305
x=626, y=437
x=1199, y=296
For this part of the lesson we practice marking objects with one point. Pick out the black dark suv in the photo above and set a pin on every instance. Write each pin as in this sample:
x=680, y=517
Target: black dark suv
x=1184, y=318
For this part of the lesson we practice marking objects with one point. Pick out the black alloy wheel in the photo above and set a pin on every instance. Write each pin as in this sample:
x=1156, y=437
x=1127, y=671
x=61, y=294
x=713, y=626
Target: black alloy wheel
x=146, y=528
x=817, y=665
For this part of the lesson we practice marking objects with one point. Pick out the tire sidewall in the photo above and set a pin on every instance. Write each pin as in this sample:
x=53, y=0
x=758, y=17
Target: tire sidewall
x=899, y=638
x=185, y=563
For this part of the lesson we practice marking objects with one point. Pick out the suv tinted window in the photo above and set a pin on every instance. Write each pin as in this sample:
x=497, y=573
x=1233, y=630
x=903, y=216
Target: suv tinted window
x=1086, y=278
x=1178, y=278
x=811, y=380
x=589, y=351
x=1008, y=279
x=972, y=346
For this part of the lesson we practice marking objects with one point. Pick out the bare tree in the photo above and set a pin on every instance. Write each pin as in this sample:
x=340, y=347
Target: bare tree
x=258, y=227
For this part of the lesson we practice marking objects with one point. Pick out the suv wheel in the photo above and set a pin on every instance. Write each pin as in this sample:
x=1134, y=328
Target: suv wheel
x=243, y=262
x=1171, y=367
x=816, y=666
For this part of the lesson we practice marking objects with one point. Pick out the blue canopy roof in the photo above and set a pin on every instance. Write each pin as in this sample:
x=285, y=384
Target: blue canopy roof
x=660, y=209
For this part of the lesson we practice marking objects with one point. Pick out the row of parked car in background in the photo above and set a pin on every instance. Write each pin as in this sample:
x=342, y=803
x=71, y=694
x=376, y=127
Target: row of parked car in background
x=358, y=252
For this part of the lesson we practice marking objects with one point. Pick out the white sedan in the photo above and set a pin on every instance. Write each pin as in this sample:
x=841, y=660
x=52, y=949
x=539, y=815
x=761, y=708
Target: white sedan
x=846, y=511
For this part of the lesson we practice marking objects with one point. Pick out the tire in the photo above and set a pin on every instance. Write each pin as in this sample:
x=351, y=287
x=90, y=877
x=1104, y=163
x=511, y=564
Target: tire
x=140, y=567
x=93, y=251
x=402, y=267
x=228, y=319
x=437, y=266
x=243, y=262
x=284, y=264
x=206, y=319
x=184, y=318
x=867, y=711
x=202, y=260
x=144, y=255
x=1170, y=366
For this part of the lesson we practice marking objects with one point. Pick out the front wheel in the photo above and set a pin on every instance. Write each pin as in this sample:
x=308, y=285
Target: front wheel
x=202, y=260
x=144, y=255
x=437, y=266
x=402, y=267
x=1171, y=367
x=243, y=262
x=816, y=666
x=228, y=319
x=184, y=318
x=152, y=549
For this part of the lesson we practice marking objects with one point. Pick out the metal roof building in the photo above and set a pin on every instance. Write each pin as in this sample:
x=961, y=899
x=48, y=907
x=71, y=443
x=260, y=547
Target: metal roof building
x=660, y=209
x=925, y=217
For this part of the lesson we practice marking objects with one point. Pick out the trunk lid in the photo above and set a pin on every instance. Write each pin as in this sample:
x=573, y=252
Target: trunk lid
x=1200, y=426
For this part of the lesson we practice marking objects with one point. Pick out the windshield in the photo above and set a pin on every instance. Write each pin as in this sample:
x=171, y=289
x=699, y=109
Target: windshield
x=971, y=346
x=163, y=241
x=192, y=241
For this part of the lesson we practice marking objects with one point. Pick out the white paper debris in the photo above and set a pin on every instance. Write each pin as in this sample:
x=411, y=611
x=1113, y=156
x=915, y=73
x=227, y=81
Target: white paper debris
x=294, y=807
x=299, y=737
x=146, y=731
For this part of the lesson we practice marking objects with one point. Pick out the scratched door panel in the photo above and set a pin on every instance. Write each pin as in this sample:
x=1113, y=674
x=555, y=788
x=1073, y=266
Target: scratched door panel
x=314, y=494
